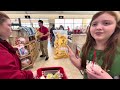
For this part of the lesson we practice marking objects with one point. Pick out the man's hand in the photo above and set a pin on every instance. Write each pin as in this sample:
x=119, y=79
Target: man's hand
x=42, y=35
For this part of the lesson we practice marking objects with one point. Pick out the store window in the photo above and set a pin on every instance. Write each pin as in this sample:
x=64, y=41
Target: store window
x=88, y=20
x=35, y=25
x=46, y=25
x=14, y=21
x=71, y=23
x=14, y=27
x=77, y=23
x=27, y=22
x=59, y=22
x=86, y=23
x=68, y=23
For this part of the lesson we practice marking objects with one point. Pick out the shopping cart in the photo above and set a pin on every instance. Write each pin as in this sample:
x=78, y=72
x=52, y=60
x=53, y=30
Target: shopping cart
x=52, y=70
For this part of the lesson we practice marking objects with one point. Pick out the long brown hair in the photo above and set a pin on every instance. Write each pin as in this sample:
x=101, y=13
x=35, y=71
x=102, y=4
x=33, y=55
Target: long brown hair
x=111, y=43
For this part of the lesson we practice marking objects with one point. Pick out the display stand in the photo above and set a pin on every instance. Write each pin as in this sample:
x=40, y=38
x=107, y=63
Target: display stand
x=32, y=45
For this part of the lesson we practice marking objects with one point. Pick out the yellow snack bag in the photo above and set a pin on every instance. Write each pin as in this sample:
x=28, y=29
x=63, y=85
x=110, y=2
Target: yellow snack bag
x=60, y=46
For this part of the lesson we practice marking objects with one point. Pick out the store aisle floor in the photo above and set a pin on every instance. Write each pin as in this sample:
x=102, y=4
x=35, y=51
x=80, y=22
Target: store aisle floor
x=71, y=71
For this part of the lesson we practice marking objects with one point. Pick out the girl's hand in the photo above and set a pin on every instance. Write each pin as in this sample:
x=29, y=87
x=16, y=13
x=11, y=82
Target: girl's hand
x=70, y=52
x=96, y=72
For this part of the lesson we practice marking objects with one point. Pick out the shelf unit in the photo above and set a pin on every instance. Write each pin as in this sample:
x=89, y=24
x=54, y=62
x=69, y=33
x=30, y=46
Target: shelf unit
x=33, y=47
x=22, y=57
x=30, y=65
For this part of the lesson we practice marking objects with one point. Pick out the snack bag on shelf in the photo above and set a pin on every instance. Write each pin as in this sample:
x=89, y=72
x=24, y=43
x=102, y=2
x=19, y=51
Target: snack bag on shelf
x=60, y=43
x=25, y=62
x=21, y=40
x=21, y=50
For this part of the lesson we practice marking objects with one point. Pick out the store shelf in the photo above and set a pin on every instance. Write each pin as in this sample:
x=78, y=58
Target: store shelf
x=27, y=66
x=32, y=46
x=29, y=43
x=32, y=41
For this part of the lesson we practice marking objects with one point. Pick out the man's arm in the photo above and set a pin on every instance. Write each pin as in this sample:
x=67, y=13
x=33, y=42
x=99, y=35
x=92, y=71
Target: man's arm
x=47, y=34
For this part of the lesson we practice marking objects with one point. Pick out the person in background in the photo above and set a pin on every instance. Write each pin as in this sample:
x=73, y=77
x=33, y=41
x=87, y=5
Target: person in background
x=10, y=64
x=57, y=28
x=43, y=39
x=61, y=27
x=100, y=55
x=52, y=34
x=68, y=28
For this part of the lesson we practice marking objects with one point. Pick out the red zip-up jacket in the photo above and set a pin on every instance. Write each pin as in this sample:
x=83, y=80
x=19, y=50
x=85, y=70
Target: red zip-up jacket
x=10, y=66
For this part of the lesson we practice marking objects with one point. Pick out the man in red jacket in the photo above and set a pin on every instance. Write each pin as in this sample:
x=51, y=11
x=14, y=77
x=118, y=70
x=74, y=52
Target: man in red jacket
x=43, y=39
x=10, y=65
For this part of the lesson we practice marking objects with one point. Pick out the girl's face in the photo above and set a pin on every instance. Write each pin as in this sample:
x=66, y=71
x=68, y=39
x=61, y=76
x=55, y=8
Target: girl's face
x=103, y=27
x=5, y=29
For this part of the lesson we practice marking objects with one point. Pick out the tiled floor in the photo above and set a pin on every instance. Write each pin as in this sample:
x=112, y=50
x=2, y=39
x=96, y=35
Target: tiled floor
x=71, y=71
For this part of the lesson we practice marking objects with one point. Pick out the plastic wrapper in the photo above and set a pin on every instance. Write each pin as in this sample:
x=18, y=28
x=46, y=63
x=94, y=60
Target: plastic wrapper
x=25, y=62
x=22, y=51
x=60, y=44
x=38, y=36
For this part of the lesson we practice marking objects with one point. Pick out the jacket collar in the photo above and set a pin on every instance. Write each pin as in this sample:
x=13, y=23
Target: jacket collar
x=6, y=45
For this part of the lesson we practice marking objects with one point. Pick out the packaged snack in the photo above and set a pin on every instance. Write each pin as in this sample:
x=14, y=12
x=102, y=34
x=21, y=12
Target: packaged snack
x=21, y=50
x=25, y=62
x=60, y=45
x=51, y=73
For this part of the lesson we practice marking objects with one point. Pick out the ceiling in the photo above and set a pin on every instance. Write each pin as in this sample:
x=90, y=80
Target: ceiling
x=51, y=12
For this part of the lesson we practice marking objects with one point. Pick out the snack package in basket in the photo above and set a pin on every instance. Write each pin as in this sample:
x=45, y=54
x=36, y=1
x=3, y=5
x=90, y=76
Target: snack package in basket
x=60, y=45
x=51, y=73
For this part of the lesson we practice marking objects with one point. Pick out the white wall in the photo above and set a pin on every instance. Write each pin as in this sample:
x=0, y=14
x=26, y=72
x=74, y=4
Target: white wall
x=49, y=16
x=52, y=15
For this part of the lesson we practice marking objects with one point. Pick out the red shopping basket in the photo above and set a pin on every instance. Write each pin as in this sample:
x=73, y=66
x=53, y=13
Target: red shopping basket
x=39, y=71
